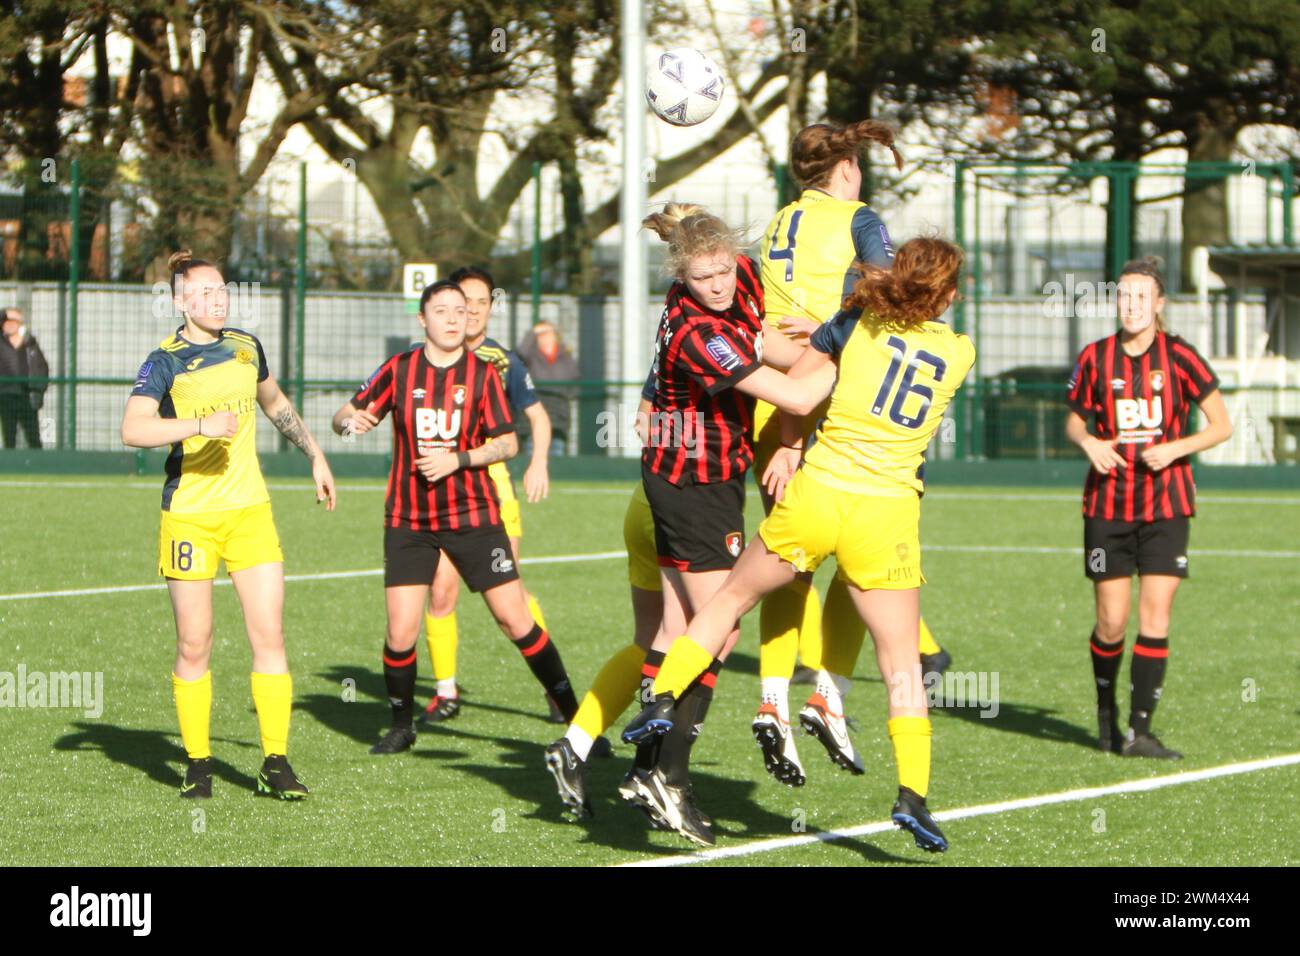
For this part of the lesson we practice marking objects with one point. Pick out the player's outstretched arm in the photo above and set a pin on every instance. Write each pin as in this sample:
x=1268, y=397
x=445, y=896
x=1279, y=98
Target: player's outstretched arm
x=142, y=428
x=781, y=351
x=537, y=479
x=285, y=417
x=811, y=378
x=797, y=395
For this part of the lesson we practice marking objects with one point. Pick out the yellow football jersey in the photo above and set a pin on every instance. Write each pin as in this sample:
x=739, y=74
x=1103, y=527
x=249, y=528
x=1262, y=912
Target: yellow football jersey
x=807, y=249
x=889, y=400
x=191, y=381
x=808, y=252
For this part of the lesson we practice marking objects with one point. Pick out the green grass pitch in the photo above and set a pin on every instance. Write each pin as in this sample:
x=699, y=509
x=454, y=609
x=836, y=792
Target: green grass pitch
x=1005, y=595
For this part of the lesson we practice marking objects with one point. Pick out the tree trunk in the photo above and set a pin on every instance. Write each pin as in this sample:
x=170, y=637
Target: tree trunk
x=1205, y=200
x=577, y=241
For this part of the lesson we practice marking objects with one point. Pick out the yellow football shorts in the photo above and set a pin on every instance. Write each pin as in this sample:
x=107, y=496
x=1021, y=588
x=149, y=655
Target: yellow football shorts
x=875, y=538
x=190, y=546
x=500, y=476
x=639, y=539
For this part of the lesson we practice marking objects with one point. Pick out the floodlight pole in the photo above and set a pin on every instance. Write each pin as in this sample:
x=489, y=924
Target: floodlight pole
x=632, y=271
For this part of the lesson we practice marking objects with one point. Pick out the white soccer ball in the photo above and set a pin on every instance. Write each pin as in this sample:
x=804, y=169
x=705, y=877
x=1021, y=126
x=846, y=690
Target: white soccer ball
x=684, y=87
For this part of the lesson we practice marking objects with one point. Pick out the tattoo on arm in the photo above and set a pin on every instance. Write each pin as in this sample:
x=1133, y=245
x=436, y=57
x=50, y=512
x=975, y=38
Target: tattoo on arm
x=494, y=450
x=292, y=428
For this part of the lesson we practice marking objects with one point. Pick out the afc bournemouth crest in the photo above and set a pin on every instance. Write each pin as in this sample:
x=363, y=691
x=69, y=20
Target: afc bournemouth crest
x=458, y=394
x=1157, y=379
x=734, y=541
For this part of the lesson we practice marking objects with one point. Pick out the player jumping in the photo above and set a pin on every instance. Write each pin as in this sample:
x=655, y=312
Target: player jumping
x=857, y=497
x=810, y=253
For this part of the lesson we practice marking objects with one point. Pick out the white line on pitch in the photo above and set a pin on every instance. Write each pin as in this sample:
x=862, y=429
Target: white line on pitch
x=1033, y=549
x=1210, y=498
x=157, y=485
x=620, y=489
x=984, y=809
x=603, y=555
x=322, y=576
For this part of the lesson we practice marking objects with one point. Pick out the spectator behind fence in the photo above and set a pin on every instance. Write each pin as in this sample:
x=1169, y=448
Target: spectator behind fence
x=549, y=360
x=20, y=358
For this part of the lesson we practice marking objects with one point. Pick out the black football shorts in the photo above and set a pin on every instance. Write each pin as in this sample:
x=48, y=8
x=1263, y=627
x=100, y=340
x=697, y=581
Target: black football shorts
x=697, y=527
x=482, y=556
x=1115, y=549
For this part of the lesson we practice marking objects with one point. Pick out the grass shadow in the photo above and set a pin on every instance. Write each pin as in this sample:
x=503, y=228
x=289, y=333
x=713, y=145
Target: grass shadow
x=1029, y=720
x=741, y=663
x=154, y=753
x=359, y=712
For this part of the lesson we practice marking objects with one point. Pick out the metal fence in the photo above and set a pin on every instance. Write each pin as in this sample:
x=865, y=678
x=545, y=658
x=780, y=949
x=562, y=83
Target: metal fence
x=1037, y=237
x=1013, y=409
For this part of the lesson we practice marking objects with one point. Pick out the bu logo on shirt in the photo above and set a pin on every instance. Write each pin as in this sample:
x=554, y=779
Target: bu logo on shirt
x=1133, y=413
x=434, y=423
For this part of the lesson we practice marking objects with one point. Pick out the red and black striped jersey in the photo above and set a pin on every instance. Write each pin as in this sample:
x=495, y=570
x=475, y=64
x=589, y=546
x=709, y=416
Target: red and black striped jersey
x=457, y=408
x=700, y=426
x=1140, y=400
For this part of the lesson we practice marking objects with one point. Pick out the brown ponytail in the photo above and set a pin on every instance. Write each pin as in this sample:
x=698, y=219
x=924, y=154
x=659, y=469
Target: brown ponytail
x=819, y=147
x=690, y=230
x=915, y=289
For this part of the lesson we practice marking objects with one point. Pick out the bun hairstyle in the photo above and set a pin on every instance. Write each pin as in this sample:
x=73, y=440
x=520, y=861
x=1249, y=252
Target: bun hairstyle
x=1148, y=266
x=690, y=230
x=817, y=148
x=915, y=288
x=180, y=264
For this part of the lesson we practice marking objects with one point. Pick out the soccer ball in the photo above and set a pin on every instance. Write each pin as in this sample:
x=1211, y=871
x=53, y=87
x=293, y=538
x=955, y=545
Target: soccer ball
x=684, y=87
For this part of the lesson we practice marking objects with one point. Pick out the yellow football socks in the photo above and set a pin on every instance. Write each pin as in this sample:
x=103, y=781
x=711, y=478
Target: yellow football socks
x=194, y=712
x=842, y=629
x=810, y=630
x=611, y=691
x=928, y=644
x=535, y=610
x=273, y=699
x=780, y=619
x=911, y=739
x=686, y=661
x=440, y=632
